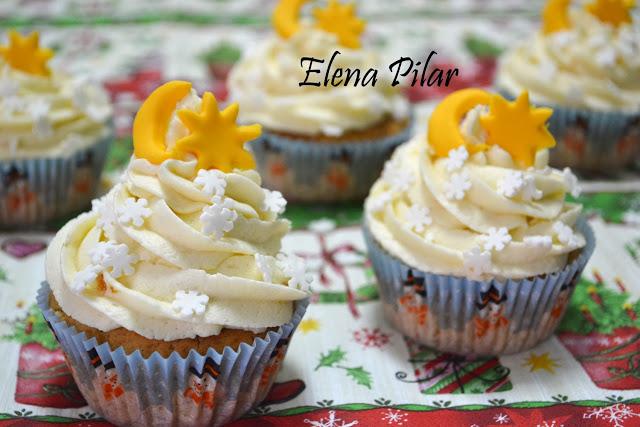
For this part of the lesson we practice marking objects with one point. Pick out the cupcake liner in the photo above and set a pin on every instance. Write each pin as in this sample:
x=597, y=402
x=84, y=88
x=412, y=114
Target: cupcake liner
x=590, y=140
x=459, y=315
x=39, y=190
x=314, y=171
x=200, y=389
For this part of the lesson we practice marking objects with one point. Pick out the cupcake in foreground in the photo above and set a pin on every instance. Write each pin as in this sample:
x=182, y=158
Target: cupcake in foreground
x=472, y=242
x=171, y=299
x=585, y=63
x=55, y=131
x=320, y=143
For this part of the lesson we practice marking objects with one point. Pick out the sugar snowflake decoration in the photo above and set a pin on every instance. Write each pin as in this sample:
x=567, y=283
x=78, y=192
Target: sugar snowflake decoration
x=119, y=260
x=12, y=104
x=511, y=184
x=606, y=57
x=398, y=178
x=264, y=265
x=296, y=269
x=476, y=262
x=572, y=182
x=274, y=202
x=133, y=211
x=456, y=159
x=565, y=234
x=84, y=277
x=106, y=214
x=39, y=111
x=418, y=217
x=529, y=190
x=212, y=182
x=218, y=218
x=497, y=239
x=538, y=242
x=190, y=303
x=457, y=186
x=379, y=202
x=100, y=252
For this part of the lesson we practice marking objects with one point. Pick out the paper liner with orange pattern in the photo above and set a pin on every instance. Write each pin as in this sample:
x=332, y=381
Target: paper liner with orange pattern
x=459, y=315
x=200, y=389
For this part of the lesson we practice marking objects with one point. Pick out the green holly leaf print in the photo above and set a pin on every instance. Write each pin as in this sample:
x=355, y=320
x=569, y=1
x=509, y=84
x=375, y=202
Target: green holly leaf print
x=360, y=376
x=331, y=358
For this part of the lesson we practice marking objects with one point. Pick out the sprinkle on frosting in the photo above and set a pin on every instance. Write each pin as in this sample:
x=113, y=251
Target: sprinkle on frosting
x=106, y=214
x=189, y=303
x=458, y=185
x=511, y=183
x=84, y=277
x=296, y=269
x=118, y=259
x=134, y=211
x=572, y=182
x=477, y=262
x=497, y=239
x=211, y=181
x=218, y=218
x=25, y=54
x=418, y=218
x=456, y=159
x=274, y=202
x=264, y=265
x=399, y=179
x=565, y=234
x=538, y=242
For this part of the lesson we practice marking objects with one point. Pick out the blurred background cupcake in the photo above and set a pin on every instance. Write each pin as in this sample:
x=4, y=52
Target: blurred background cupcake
x=319, y=143
x=55, y=131
x=585, y=63
x=473, y=245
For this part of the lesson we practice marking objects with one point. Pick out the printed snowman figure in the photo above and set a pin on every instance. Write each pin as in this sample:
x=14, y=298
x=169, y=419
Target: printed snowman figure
x=563, y=298
x=107, y=377
x=575, y=137
x=337, y=175
x=202, y=384
x=83, y=182
x=276, y=169
x=17, y=198
x=413, y=300
x=273, y=366
x=630, y=141
x=490, y=312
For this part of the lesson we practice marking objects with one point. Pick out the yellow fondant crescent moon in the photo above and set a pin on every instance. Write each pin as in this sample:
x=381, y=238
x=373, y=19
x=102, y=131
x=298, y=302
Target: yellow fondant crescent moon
x=444, y=124
x=151, y=122
x=555, y=16
x=285, y=17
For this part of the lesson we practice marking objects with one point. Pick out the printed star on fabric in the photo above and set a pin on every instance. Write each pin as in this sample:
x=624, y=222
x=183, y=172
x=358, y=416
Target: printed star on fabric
x=309, y=325
x=189, y=303
x=537, y=362
x=24, y=53
x=342, y=21
x=518, y=128
x=614, y=12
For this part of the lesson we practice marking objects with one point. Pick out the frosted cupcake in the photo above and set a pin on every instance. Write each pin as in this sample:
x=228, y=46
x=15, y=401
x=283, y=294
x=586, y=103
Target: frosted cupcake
x=171, y=299
x=585, y=63
x=320, y=143
x=468, y=230
x=54, y=134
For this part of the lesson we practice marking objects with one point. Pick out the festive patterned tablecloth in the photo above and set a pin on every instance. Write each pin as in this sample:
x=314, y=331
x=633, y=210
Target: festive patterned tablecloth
x=346, y=366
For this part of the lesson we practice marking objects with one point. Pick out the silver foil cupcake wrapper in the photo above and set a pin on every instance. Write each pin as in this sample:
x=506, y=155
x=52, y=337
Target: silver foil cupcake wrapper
x=459, y=315
x=197, y=390
x=314, y=171
x=36, y=191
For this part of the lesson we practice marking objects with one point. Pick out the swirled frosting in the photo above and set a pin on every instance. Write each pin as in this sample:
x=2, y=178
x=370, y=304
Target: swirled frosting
x=49, y=115
x=491, y=230
x=197, y=253
x=592, y=65
x=265, y=83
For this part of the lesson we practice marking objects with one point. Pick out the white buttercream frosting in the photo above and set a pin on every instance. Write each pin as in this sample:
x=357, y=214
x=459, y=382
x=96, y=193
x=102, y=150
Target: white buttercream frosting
x=266, y=83
x=49, y=115
x=592, y=65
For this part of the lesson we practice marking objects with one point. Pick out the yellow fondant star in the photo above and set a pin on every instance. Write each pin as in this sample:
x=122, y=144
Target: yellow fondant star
x=614, y=12
x=518, y=128
x=537, y=362
x=24, y=53
x=342, y=21
x=555, y=16
x=214, y=137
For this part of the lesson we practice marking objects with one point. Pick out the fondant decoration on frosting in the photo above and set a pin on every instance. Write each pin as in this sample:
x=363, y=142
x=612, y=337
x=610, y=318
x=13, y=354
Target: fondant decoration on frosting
x=518, y=128
x=555, y=16
x=418, y=217
x=458, y=185
x=189, y=303
x=336, y=18
x=219, y=217
x=214, y=138
x=614, y=12
x=274, y=202
x=25, y=54
x=496, y=239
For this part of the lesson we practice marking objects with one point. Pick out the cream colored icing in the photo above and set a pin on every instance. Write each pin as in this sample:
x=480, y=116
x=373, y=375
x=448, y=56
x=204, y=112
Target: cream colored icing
x=52, y=115
x=246, y=285
x=593, y=65
x=457, y=229
x=265, y=83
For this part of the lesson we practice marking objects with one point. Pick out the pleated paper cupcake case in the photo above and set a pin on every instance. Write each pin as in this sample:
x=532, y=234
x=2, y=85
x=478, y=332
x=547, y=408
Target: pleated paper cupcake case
x=200, y=389
x=459, y=315
x=309, y=171
x=37, y=191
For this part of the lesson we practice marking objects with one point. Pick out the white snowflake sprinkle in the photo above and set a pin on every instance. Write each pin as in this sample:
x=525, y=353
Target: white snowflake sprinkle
x=190, y=303
x=264, y=265
x=418, y=218
x=274, y=202
x=616, y=414
x=529, y=190
x=565, y=234
x=379, y=202
x=456, y=159
x=212, y=182
x=476, y=262
x=295, y=268
x=497, y=239
x=511, y=184
x=218, y=218
x=399, y=179
x=538, y=242
x=457, y=186
x=606, y=57
x=133, y=211
x=100, y=251
x=572, y=182
x=119, y=260
x=84, y=277
x=107, y=218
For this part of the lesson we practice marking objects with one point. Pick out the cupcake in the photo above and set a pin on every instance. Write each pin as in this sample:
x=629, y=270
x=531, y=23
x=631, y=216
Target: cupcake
x=320, y=143
x=170, y=299
x=473, y=245
x=585, y=63
x=55, y=131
